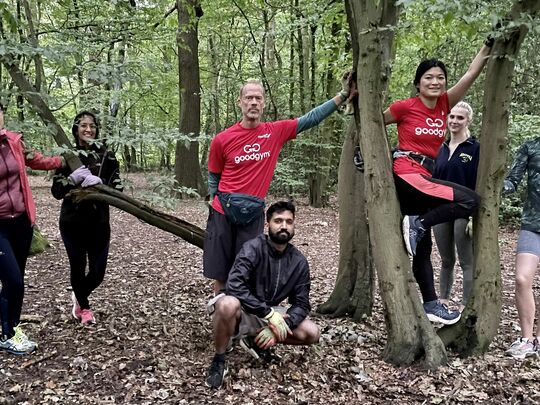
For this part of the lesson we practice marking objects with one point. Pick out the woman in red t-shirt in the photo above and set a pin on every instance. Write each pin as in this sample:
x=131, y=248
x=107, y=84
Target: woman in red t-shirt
x=421, y=123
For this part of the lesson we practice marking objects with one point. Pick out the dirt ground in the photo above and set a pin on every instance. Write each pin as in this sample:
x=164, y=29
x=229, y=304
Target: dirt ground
x=152, y=343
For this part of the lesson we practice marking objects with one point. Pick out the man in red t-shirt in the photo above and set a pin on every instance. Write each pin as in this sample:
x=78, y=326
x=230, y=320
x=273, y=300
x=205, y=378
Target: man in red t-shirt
x=241, y=165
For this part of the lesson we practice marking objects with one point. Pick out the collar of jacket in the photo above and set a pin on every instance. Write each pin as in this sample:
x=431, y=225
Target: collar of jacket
x=470, y=139
x=273, y=251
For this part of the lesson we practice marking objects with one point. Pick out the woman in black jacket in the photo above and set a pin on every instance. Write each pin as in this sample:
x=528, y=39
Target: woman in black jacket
x=85, y=226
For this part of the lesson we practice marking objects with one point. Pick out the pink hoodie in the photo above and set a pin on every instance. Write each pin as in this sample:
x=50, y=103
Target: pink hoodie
x=32, y=159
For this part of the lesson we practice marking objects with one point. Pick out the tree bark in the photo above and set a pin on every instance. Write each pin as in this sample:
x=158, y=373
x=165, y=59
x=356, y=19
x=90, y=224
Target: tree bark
x=410, y=334
x=480, y=320
x=187, y=167
x=353, y=292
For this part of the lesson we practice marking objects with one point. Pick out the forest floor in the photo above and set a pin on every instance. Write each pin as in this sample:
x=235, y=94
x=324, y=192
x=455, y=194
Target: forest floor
x=152, y=343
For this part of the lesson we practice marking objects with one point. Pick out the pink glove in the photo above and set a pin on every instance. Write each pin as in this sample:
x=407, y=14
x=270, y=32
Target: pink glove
x=79, y=175
x=91, y=180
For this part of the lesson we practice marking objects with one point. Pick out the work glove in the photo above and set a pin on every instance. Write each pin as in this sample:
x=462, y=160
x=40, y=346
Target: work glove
x=358, y=159
x=508, y=187
x=346, y=84
x=78, y=175
x=277, y=324
x=266, y=338
x=91, y=180
x=469, y=228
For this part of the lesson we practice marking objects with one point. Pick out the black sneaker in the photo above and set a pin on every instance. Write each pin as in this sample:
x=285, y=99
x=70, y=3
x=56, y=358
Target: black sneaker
x=217, y=371
x=248, y=344
x=412, y=233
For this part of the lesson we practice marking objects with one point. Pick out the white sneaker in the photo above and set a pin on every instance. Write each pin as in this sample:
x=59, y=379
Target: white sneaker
x=22, y=338
x=521, y=348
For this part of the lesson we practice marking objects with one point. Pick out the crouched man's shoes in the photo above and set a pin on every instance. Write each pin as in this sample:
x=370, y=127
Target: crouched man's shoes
x=266, y=355
x=216, y=372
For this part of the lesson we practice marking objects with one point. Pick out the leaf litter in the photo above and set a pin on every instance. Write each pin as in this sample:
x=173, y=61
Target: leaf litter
x=153, y=340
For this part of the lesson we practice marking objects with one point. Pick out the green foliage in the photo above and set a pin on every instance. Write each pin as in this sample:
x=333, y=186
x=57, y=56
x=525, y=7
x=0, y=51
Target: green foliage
x=164, y=192
x=121, y=61
x=39, y=242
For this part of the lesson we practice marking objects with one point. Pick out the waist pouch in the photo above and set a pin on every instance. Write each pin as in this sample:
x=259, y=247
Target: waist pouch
x=241, y=209
x=427, y=162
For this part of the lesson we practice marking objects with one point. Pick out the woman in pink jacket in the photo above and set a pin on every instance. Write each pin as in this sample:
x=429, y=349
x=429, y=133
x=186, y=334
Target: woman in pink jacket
x=17, y=216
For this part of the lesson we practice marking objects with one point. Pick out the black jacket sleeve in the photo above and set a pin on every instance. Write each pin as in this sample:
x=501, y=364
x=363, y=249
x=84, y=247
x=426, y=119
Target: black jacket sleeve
x=299, y=299
x=111, y=171
x=239, y=281
x=61, y=186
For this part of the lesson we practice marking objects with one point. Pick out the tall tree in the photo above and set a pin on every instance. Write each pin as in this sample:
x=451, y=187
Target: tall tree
x=353, y=291
x=187, y=166
x=480, y=320
x=410, y=334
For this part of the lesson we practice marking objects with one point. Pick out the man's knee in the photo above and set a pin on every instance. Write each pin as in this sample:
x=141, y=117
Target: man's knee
x=227, y=307
x=308, y=332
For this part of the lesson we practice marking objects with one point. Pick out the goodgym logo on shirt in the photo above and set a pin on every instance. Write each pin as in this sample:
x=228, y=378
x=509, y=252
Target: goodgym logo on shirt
x=252, y=152
x=433, y=127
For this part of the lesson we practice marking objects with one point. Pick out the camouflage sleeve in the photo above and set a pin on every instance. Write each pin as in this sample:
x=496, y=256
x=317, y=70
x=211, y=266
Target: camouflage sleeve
x=518, y=168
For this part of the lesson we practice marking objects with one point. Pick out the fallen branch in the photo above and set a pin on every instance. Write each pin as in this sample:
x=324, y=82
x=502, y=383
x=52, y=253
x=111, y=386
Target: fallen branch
x=189, y=232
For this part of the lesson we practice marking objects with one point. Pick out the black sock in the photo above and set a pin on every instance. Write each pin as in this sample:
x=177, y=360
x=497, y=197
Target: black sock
x=220, y=357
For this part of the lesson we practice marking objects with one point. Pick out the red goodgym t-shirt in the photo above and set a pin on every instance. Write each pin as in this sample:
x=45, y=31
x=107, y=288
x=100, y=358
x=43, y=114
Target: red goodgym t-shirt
x=420, y=129
x=247, y=158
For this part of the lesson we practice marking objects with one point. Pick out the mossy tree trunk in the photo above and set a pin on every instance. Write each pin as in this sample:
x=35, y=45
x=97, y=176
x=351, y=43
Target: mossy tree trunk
x=353, y=292
x=410, y=334
x=480, y=320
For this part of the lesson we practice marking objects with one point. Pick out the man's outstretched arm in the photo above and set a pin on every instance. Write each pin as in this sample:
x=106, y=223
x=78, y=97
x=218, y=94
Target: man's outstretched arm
x=319, y=113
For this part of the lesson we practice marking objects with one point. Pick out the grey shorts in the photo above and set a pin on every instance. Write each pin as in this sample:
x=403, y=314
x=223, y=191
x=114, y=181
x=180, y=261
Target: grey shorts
x=529, y=242
x=222, y=242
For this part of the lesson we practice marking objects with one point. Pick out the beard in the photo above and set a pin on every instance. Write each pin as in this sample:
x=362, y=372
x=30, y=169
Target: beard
x=281, y=237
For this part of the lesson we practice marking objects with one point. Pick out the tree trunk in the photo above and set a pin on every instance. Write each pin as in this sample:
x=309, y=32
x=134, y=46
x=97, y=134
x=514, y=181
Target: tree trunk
x=187, y=168
x=480, y=320
x=410, y=334
x=33, y=40
x=353, y=291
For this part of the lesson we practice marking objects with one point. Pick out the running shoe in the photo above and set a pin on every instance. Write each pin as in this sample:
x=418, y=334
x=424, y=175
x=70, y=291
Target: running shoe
x=521, y=349
x=216, y=373
x=22, y=338
x=437, y=312
x=76, y=310
x=87, y=316
x=413, y=232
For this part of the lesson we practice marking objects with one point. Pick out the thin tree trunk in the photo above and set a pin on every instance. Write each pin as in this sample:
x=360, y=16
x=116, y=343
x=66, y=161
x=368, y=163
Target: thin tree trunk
x=353, y=292
x=187, y=168
x=480, y=319
x=410, y=334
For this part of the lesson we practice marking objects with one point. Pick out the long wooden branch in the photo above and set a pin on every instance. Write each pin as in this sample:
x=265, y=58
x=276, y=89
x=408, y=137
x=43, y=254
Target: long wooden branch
x=189, y=232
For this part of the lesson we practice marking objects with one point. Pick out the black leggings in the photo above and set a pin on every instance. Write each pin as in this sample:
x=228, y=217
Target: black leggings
x=432, y=211
x=15, y=240
x=82, y=242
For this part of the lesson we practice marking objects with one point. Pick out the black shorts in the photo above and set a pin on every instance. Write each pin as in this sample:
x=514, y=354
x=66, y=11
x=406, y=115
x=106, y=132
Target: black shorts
x=222, y=242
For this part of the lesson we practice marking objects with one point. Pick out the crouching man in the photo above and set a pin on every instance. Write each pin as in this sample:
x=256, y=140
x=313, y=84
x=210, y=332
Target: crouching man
x=267, y=270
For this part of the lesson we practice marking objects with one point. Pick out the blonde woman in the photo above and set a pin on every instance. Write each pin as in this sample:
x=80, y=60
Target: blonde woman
x=457, y=162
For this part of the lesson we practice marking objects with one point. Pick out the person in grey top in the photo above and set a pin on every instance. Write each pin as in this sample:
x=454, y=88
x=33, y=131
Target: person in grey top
x=527, y=160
